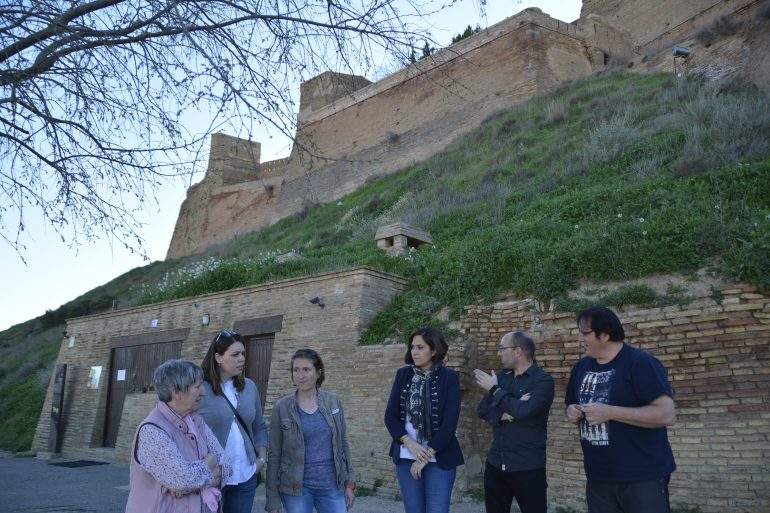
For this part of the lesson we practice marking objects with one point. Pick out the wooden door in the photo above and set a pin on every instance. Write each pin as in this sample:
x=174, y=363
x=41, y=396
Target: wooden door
x=57, y=406
x=259, y=352
x=131, y=371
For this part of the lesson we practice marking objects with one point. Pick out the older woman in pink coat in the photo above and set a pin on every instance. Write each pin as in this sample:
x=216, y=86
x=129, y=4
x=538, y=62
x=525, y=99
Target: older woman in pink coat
x=176, y=462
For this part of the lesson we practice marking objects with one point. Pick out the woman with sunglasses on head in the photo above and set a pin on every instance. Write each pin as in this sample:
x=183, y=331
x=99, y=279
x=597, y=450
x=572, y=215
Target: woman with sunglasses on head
x=309, y=464
x=233, y=410
x=421, y=415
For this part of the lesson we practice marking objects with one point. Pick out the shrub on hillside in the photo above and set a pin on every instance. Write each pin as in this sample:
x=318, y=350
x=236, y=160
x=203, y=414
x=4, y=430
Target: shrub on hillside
x=763, y=11
x=607, y=140
x=556, y=110
x=721, y=27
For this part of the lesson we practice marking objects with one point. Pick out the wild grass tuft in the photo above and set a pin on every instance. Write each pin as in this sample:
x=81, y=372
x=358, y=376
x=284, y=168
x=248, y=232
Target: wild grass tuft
x=608, y=139
x=556, y=110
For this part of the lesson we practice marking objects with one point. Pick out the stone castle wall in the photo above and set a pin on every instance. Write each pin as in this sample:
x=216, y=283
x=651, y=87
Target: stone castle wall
x=649, y=20
x=350, y=130
x=418, y=111
x=744, y=54
x=235, y=197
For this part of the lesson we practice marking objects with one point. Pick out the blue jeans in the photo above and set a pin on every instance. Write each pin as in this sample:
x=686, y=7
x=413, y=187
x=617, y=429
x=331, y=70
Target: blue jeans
x=239, y=498
x=325, y=501
x=429, y=494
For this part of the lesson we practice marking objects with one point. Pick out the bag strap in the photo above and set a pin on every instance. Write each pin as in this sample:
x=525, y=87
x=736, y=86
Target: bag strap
x=241, y=422
x=136, y=442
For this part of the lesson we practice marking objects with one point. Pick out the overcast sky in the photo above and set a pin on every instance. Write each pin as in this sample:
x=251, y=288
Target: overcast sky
x=55, y=274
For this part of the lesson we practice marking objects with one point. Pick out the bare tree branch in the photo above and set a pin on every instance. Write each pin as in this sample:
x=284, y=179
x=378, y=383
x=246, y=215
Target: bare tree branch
x=93, y=94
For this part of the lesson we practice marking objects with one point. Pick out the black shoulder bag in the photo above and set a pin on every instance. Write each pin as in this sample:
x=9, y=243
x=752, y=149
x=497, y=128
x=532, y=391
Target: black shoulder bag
x=246, y=430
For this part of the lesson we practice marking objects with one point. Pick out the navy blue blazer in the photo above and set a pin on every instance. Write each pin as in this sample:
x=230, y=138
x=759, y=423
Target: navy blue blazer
x=445, y=413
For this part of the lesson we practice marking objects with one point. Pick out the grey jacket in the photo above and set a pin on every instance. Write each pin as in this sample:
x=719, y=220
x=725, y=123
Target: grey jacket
x=286, y=456
x=219, y=416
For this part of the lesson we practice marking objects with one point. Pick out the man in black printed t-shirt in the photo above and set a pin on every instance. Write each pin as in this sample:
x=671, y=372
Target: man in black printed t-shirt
x=621, y=400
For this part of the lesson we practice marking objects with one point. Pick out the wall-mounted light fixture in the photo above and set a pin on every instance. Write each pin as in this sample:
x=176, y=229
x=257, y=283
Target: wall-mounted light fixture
x=318, y=301
x=205, y=320
x=680, y=51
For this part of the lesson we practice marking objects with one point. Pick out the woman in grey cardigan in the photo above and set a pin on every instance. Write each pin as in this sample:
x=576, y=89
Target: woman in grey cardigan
x=309, y=465
x=244, y=439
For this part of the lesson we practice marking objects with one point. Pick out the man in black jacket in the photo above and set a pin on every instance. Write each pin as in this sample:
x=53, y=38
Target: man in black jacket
x=516, y=405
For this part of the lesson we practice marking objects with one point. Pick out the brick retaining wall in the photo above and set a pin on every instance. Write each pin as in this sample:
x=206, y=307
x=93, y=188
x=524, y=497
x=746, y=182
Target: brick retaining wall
x=717, y=357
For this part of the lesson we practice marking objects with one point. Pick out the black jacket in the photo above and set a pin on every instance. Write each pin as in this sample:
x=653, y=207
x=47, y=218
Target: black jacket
x=518, y=444
x=445, y=413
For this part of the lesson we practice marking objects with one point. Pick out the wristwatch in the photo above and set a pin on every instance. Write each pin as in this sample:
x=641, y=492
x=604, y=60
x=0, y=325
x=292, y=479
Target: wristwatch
x=263, y=460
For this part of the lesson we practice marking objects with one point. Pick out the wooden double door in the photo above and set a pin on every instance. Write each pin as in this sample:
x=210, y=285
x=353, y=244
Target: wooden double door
x=131, y=371
x=132, y=368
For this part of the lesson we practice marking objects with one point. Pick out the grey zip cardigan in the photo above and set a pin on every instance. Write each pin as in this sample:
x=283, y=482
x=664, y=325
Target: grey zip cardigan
x=220, y=417
x=286, y=454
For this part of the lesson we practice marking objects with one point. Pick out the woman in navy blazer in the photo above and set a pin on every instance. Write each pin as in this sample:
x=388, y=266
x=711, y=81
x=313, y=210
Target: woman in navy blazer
x=422, y=414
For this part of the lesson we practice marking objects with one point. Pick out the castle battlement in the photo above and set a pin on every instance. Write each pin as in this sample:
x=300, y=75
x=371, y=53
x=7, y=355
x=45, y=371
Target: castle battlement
x=441, y=58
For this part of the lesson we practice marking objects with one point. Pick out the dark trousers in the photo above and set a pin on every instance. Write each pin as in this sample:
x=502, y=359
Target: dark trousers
x=628, y=497
x=528, y=487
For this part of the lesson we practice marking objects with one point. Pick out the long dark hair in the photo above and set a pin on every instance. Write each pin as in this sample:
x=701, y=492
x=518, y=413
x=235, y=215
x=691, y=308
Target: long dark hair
x=219, y=345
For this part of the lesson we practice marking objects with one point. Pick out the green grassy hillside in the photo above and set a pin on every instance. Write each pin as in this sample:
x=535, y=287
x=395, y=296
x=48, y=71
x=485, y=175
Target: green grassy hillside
x=610, y=179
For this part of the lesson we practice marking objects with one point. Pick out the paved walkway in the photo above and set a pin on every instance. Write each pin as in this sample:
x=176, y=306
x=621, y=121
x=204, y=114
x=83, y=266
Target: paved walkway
x=30, y=485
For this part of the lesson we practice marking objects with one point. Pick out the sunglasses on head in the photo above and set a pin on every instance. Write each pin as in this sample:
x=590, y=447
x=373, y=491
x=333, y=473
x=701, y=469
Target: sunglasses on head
x=305, y=352
x=226, y=334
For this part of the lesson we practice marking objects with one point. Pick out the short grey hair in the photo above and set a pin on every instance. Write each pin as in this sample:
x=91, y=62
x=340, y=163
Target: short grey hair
x=175, y=376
